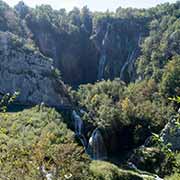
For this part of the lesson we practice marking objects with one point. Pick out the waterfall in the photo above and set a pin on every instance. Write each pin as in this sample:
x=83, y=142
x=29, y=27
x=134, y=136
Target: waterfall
x=103, y=57
x=96, y=147
x=131, y=59
x=4, y=40
x=123, y=69
x=79, y=128
x=78, y=123
x=101, y=67
x=135, y=55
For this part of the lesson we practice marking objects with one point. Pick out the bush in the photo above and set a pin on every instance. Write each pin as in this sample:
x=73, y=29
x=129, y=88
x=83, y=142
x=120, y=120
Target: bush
x=35, y=138
x=137, y=108
x=170, y=85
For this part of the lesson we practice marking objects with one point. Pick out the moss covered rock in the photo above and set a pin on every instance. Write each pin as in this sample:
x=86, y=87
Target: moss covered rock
x=107, y=171
x=153, y=160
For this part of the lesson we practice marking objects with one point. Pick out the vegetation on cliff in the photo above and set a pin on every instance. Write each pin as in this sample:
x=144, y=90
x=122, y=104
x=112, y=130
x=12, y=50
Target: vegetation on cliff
x=124, y=69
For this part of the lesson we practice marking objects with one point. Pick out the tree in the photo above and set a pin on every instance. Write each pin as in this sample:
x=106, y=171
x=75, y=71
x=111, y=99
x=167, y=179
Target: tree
x=86, y=17
x=170, y=85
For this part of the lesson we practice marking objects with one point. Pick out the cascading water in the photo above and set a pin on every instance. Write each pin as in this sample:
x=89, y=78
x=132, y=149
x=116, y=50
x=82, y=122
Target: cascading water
x=131, y=60
x=101, y=67
x=96, y=147
x=78, y=123
x=79, y=128
x=103, y=57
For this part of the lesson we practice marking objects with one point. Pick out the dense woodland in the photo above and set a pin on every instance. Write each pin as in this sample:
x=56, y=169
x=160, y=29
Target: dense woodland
x=119, y=70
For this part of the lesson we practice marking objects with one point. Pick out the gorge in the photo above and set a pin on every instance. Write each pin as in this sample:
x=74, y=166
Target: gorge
x=93, y=87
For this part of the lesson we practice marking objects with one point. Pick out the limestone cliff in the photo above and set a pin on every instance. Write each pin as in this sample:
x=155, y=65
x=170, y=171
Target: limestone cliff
x=23, y=68
x=118, y=42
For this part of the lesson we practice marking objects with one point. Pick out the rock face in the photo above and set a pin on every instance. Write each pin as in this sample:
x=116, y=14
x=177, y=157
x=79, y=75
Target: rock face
x=73, y=52
x=171, y=134
x=24, y=69
x=150, y=159
x=84, y=47
x=108, y=51
x=118, y=43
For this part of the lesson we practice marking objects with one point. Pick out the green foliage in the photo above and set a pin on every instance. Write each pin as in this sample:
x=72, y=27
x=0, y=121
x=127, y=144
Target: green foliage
x=147, y=106
x=173, y=177
x=176, y=175
x=38, y=137
x=162, y=43
x=157, y=157
x=170, y=85
x=9, y=20
x=35, y=138
x=7, y=99
x=175, y=99
x=56, y=73
x=154, y=160
x=107, y=171
x=100, y=100
x=111, y=104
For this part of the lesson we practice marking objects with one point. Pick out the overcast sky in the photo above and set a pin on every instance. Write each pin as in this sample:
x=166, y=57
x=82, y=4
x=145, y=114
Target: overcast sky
x=94, y=5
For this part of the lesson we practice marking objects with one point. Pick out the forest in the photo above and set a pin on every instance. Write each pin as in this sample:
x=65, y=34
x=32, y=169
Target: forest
x=89, y=95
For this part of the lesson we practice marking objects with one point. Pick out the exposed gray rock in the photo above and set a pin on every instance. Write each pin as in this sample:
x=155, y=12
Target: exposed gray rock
x=118, y=43
x=25, y=69
x=171, y=134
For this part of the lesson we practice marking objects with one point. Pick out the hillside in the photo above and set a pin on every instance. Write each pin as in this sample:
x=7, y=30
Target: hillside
x=89, y=95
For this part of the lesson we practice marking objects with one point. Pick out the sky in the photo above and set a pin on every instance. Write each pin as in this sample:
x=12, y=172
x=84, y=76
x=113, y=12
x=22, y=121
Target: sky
x=93, y=5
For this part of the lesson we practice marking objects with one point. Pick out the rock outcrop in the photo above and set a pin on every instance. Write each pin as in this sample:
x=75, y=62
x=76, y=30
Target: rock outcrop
x=108, y=51
x=151, y=159
x=73, y=53
x=25, y=69
x=171, y=134
x=84, y=50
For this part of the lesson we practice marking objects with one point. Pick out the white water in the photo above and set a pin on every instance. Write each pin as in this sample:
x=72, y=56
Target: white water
x=103, y=57
x=131, y=59
x=79, y=128
x=96, y=147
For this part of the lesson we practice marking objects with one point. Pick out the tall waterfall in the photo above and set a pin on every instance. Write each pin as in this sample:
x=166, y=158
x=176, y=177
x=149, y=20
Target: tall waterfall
x=96, y=147
x=103, y=57
x=131, y=59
